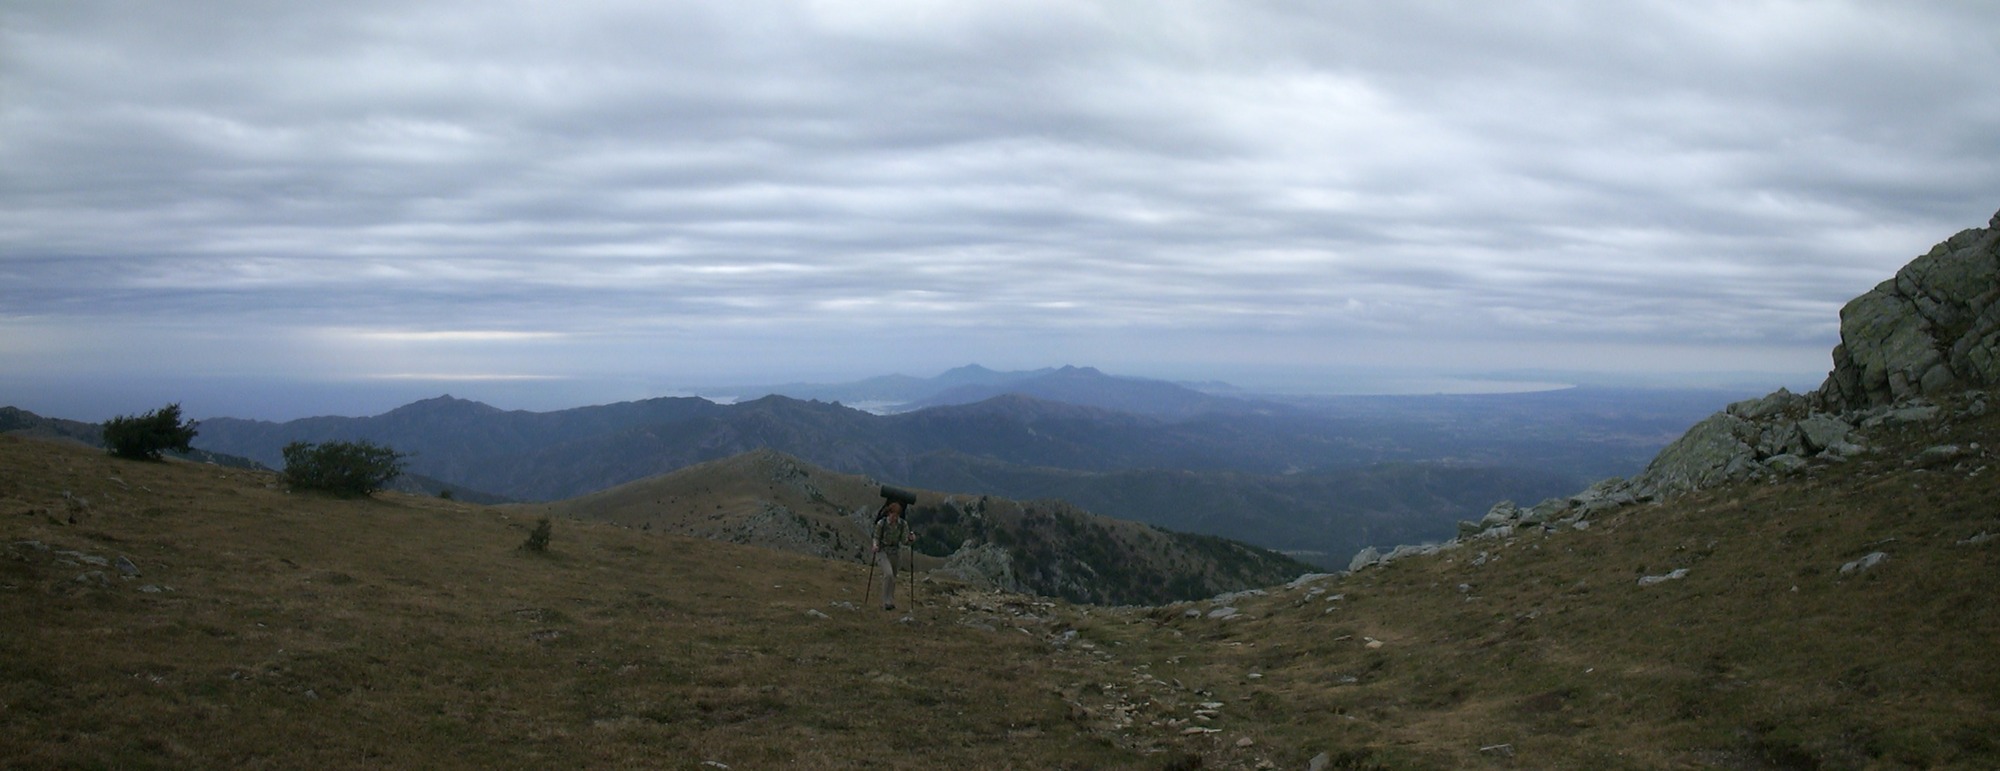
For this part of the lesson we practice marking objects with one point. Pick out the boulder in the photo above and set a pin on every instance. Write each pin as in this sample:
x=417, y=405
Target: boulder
x=1502, y=532
x=1786, y=464
x=1228, y=597
x=1784, y=438
x=1613, y=488
x=1604, y=496
x=1714, y=451
x=1933, y=328
x=1545, y=511
x=1821, y=431
x=1944, y=454
x=1364, y=558
x=1866, y=562
x=1769, y=407
x=1309, y=578
x=1914, y=412
x=1501, y=514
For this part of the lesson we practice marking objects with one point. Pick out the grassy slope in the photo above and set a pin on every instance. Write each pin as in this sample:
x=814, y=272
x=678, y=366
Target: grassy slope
x=407, y=631
x=1762, y=657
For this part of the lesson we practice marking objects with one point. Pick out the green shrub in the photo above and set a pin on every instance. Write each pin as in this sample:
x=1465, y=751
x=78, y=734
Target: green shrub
x=346, y=469
x=538, y=541
x=144, y=437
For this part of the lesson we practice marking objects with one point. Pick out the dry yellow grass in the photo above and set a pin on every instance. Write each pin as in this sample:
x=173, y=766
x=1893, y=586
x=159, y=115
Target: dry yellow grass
x=295, y=631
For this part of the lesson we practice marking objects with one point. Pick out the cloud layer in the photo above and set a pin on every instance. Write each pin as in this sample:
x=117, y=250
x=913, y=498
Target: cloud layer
x=687, y=192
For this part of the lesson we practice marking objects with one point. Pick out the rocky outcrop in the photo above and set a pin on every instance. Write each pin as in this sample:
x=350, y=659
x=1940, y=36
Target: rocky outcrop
x=1931, y=334
x=982, y=564
x=1778, y=433
x=1775, y=435
x=1933, y=329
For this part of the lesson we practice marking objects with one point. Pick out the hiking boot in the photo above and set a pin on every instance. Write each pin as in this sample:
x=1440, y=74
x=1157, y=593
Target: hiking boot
x=888, y=606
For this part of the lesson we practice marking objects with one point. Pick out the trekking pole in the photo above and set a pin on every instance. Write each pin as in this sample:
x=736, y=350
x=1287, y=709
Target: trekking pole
x=871, y=579
x=913, y=578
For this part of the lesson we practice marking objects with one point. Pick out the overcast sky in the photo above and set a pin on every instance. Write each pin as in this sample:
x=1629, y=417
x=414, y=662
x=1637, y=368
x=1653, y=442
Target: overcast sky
x=258, y=207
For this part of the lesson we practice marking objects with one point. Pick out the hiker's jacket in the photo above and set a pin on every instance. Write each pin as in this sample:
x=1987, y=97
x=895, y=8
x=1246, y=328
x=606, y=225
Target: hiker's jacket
x=890, y=533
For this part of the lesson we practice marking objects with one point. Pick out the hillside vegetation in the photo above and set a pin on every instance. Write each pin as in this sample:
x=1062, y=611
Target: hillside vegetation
x=263, y=629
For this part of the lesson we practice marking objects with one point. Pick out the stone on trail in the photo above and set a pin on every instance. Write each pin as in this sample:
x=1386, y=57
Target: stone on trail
x=1869, y=561
x=1678, y=574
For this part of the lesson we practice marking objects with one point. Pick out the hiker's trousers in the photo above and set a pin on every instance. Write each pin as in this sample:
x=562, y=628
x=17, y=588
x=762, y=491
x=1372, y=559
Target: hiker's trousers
x=885, y=561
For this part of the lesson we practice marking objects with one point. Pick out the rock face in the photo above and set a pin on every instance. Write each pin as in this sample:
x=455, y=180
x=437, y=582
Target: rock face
x=1934, y=328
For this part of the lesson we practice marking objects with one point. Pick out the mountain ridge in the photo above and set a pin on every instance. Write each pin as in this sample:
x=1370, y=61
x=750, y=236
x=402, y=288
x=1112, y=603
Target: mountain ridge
x=552, y=456
x=1090, y=387
x=891, y=392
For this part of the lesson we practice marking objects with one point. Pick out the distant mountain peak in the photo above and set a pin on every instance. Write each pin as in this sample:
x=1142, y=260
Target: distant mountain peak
x=445, y=404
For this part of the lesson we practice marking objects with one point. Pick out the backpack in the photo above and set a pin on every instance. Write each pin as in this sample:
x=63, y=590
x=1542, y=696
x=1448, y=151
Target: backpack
x=895, y=495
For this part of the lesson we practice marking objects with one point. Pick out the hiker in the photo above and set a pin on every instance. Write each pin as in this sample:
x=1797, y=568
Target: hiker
x=890, y=529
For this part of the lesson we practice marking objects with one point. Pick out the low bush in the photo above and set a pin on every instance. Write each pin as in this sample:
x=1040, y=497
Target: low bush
x=144, y=437
x=538, y=541
x=345, y=469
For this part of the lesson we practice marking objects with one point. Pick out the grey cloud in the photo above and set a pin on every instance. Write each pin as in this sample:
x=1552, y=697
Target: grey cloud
x=1624, y=174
